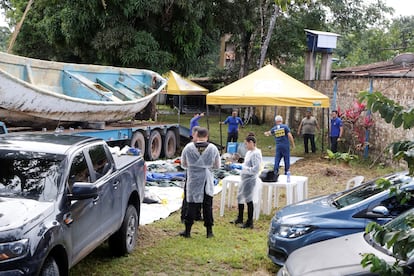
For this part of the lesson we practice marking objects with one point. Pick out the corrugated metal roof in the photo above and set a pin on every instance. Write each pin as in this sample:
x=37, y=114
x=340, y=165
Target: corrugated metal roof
x=401, y=66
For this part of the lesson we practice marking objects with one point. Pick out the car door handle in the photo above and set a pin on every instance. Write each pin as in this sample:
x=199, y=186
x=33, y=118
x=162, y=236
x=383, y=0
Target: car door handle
x=67, y=218
x=95, y=200
x=115, y=185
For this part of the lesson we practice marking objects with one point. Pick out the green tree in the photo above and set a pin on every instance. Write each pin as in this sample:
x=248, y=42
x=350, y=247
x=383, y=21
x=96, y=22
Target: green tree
x=151, y=34
x=4, y=38
x=399, y=241
x=183, y=35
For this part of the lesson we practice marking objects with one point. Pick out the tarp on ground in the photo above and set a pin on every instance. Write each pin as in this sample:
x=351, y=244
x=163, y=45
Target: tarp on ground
x=178, y=85
x=268, y=86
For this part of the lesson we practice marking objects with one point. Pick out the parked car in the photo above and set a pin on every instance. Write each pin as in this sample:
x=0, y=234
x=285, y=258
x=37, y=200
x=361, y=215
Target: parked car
x=343, y=255
x=335, y=215
x=61, y=196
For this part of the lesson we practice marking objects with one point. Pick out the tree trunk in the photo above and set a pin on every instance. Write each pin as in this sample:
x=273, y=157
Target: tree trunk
x=268, y=36
x=18, y=27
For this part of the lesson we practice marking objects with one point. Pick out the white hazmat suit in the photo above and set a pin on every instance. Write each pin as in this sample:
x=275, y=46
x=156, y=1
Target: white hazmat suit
x=250, y=170
x=198, y=167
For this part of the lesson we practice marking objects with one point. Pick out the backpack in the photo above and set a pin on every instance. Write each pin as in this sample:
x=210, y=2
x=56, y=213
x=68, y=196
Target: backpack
x=268, y=176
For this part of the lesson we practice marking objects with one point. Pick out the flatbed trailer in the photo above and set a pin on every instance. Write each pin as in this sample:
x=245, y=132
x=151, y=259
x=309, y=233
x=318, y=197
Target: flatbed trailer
x=154, y=140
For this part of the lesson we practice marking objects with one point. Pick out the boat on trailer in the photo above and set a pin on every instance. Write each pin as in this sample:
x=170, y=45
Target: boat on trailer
x=37, y=91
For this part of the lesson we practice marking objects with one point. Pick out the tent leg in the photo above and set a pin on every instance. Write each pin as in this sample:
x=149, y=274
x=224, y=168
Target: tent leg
x=221, y=133
x=179, y=109
x=207, y=112
x=323, y=129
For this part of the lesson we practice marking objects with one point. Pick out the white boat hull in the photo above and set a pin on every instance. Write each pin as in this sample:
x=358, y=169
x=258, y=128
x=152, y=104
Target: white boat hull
x=24, y=99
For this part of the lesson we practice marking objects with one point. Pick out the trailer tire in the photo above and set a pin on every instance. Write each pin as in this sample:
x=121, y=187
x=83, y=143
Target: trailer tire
x=154, y=145
x=138, y=141
x=170, y=144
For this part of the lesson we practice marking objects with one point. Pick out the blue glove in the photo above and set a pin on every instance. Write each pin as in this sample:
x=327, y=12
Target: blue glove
x=235, y=166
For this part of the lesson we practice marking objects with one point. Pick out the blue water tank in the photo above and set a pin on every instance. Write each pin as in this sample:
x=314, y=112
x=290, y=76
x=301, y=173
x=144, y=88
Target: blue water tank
x=318, y=41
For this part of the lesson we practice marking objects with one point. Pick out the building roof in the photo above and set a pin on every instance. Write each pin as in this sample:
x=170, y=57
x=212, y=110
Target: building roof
x=400, y=66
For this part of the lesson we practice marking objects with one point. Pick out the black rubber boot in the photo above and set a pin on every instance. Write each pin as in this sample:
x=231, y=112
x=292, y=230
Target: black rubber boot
x=187, y=232
x=209, y=232
x=249, y=221
x=239, y=218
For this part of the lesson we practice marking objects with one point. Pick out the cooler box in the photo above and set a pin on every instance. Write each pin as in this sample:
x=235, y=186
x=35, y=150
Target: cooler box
x=232, y=147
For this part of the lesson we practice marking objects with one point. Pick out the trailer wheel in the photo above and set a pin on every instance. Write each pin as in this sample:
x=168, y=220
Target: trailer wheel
x=154, y=145
x=138, y=141
x=170, y=144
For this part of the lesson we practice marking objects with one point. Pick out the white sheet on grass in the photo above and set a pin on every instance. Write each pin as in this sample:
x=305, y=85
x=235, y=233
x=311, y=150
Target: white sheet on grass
x=171, y=200
x=171, y=197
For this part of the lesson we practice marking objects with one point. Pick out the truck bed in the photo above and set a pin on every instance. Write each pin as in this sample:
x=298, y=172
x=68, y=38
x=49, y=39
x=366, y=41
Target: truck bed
x=122, y=161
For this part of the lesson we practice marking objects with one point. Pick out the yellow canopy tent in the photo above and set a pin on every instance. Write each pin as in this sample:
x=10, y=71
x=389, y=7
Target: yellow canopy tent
x=268, y=86
x=177, y=85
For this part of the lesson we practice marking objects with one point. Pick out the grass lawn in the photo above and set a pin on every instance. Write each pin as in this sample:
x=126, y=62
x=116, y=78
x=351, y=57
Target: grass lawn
x=233, y=251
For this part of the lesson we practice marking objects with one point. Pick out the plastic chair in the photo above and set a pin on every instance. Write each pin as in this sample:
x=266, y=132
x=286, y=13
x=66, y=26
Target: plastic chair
x=356, y=181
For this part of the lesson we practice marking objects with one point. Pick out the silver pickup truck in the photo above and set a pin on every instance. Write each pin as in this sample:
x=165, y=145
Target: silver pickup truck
x=61, y=196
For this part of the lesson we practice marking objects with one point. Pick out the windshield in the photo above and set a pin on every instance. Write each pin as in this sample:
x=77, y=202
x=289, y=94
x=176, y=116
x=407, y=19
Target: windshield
x=400, y=223
x=365, y=191
x=30, y=175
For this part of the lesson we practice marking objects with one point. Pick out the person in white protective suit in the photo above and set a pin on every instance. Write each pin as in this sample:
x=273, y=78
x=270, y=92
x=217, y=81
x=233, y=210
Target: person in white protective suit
x=199, y=157
x=249, y=172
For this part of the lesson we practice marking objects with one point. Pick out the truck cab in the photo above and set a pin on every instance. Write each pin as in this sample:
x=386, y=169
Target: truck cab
x=61, y=196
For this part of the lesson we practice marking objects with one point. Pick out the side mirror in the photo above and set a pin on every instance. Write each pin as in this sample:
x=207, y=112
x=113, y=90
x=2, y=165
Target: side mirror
x=377, y=212
x=83, y=190
x=381, y=211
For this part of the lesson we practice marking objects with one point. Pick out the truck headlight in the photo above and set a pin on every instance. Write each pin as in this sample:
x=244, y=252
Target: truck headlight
x=13, y=250
x=294, y=231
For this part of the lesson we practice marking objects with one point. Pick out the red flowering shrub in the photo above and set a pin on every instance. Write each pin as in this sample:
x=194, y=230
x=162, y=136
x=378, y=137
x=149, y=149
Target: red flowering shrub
x=356, y=121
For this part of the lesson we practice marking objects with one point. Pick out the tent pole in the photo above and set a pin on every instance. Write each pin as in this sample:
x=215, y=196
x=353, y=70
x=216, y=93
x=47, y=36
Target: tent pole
x=329, y=128
x=179, y=108
x=221, y=133
x=323, y=128
x=207, y=112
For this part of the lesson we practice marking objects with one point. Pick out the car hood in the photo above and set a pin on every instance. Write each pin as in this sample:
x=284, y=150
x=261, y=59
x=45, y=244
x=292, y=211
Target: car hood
x=18, y=213
x=311, y=211
x=338, y=256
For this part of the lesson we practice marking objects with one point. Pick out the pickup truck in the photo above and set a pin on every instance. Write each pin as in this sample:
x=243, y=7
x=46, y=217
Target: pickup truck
x=61, y=196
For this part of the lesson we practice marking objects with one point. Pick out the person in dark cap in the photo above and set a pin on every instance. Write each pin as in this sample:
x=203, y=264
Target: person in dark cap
x=307, y=128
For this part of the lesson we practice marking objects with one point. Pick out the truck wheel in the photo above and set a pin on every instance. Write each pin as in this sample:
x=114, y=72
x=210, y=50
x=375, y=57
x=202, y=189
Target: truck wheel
x=138, y=141
x=50, y=267
x=170, y=144
x=124, y=240
x=154, y=145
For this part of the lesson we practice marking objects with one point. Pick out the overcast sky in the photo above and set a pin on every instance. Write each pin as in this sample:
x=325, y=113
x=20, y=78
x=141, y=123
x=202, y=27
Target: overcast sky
x=402, y=7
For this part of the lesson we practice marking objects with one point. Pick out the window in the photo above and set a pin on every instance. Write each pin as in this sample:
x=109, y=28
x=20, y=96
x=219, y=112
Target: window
x=99, y=159
x=79, y=171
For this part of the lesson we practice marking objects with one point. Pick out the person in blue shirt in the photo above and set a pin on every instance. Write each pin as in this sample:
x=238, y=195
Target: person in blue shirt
x=194, y=122
x=233, y=123
x=283, y=136
x=336, y=130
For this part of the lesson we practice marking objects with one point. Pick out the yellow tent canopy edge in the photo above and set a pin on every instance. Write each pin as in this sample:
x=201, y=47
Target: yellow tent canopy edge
x=178, y=85
x=268, y=86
